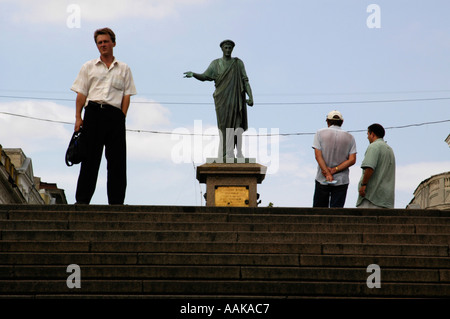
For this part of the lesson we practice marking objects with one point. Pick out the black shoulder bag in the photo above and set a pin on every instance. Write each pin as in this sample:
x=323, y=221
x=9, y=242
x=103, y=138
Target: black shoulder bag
x=76, y=151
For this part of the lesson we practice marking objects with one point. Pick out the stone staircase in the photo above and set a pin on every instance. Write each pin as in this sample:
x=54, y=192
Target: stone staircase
x=202, y=252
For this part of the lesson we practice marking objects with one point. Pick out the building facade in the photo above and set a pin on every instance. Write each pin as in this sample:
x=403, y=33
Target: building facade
x=433, y=193
x=18, y=185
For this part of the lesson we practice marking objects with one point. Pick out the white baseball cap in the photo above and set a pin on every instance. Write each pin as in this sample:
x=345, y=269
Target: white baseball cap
x=335, y=115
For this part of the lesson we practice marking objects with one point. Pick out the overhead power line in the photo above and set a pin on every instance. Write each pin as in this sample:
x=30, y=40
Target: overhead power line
x=194, y=134
x=258, y=103
x=28, y=91
x=36, y=118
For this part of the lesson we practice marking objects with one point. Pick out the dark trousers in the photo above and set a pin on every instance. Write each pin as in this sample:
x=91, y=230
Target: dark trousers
x=103, y=127
x=329, y=196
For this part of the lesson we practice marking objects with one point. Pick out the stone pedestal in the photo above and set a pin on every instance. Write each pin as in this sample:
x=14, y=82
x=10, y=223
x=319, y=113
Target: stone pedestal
x=231, y=184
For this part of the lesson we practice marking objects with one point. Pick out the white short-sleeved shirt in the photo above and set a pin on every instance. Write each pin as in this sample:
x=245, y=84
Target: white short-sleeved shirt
x=103, y=85
x=336, y=145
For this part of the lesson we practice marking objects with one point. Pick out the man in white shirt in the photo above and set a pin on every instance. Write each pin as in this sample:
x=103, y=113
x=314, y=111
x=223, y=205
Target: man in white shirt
x=335, y=152
x=104, y=87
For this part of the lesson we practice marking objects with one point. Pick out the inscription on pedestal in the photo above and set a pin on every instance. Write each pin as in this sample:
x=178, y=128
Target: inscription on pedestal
x=231, y=184
x=237, y=196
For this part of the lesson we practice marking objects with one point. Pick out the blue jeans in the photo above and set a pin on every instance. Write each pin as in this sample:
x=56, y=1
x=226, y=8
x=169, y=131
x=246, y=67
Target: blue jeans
x=329, y=195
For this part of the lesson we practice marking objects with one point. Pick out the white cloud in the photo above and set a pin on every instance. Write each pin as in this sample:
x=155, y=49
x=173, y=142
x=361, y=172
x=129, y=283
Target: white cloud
x=147, y=116
x=294, y=165
x=46, y=142
x=142, y=121
x=410, y=176
x=23, y=126
x=148, y=146
x=57, y=11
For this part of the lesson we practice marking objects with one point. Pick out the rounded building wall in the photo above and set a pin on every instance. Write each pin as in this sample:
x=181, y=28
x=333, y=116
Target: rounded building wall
x=433, y=193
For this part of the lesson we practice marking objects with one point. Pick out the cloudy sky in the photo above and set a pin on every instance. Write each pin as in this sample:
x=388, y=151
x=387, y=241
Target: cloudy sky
x=375, y=61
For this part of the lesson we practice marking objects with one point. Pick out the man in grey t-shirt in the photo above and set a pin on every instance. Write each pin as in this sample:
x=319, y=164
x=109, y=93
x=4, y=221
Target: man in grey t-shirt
x=335, y=152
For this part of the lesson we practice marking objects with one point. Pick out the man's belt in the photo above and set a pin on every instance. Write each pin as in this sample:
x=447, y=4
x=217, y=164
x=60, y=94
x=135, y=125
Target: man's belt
x=101, y=105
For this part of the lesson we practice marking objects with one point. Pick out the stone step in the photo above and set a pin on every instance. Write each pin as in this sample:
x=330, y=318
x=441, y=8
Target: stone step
x=235, y=288
x=351, y=217
x=214, y=259
x=204, y=252
x=327, y=218
x=67, y=258
x=222, y=226
x=228, y=226
x=115, y=216
x=221, y=218
x=245, y=273
x=397, y=261
x=91, y=258
x=221, y=236
x=225, y=210
x=240, y=248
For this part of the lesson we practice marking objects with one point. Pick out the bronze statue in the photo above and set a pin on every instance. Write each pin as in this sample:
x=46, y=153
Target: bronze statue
x=232, y=85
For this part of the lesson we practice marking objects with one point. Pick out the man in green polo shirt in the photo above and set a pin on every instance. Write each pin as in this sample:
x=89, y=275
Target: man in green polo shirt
x=377, y=184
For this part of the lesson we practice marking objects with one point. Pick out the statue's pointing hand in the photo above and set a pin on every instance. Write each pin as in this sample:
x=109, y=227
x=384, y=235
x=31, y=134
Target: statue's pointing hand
x=188, y=74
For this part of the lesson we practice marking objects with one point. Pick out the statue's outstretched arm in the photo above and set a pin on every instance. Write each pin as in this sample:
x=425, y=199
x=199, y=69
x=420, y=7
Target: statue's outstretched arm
x=200, y=77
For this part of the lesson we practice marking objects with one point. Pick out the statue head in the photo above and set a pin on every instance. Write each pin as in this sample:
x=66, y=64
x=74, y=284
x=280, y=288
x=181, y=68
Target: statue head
x=227, y=42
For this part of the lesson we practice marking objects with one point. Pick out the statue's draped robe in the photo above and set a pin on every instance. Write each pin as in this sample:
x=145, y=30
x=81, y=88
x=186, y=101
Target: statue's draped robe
x=229, y=96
